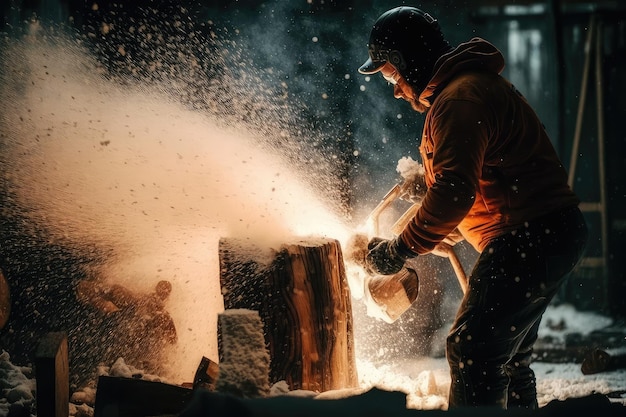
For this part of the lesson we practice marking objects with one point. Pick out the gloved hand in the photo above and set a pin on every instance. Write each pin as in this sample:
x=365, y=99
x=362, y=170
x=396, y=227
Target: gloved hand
x=413, y=189
x=387, y=257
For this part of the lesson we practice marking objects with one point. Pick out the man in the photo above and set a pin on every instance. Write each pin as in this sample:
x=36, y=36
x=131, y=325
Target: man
x=493, y=174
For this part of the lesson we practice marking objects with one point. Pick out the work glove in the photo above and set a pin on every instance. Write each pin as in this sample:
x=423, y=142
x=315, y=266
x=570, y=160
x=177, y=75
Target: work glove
x=386, y=257
x=413, y=189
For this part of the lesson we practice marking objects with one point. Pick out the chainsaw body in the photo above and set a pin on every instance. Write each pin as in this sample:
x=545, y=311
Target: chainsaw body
x=394, y=294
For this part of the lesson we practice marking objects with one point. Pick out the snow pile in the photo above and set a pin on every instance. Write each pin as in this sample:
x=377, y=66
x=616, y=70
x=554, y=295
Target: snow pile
x=559, y=321
x=17, y=386
x=562, y=381
x=425, y=380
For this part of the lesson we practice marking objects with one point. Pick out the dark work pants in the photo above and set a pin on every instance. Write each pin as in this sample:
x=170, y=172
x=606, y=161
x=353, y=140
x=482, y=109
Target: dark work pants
x=490, y=344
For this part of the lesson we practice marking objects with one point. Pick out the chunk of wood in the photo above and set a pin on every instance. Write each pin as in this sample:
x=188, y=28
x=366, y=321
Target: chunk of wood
x=303, y=299
x=244, y=360
x=127, y=397
x=206, y=374
x=52, y=376
x=599, y=360
x=148, y=310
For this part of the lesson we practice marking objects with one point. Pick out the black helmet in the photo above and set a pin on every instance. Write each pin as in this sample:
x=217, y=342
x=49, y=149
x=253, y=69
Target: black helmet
x=408, y=38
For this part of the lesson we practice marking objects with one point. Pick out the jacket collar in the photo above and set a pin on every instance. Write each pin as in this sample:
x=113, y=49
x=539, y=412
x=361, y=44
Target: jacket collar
x=476, y=54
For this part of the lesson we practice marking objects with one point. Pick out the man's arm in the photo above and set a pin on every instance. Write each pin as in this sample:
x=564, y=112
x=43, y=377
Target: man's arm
x=460, y=137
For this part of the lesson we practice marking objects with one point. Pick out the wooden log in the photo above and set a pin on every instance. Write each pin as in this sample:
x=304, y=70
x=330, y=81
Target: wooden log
x=52, y=376
x=244, y=360
x=206, y=374
x=127, y=397
x=303, y=299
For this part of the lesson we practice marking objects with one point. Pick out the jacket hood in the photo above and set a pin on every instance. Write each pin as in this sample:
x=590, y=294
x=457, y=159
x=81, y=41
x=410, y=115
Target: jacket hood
x=476, y=54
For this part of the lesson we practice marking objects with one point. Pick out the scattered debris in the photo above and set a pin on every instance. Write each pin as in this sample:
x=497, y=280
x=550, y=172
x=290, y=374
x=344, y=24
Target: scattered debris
x=598, y=360
x=147, y=309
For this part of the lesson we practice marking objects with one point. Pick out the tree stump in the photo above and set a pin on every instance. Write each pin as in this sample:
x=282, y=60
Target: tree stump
x=303, y=299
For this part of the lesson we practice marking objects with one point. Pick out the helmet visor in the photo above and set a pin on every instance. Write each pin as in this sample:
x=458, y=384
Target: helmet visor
x=377, y=58
x=371, y=67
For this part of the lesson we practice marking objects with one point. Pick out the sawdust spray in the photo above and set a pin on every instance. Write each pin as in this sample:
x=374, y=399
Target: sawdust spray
x=149, y=181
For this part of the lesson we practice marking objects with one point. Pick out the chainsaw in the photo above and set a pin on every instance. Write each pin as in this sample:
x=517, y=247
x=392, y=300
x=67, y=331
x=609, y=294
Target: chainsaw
x=394, y=294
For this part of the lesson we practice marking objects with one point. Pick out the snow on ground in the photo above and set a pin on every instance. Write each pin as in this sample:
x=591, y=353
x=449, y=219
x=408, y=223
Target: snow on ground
x=575, y=321
x=424, y=380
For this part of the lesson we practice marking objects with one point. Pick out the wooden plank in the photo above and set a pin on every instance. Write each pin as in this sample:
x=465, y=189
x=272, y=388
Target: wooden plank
x=52, y=376
x=206, y=374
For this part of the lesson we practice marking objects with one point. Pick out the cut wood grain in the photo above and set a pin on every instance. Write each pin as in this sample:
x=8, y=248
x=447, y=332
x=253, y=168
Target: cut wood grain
x=303, y=299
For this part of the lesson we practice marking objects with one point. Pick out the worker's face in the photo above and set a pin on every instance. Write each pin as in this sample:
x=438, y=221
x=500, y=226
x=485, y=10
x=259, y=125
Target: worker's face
x=401, y=89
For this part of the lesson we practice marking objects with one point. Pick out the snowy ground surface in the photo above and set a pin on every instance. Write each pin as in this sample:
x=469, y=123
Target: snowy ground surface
x=424, y=380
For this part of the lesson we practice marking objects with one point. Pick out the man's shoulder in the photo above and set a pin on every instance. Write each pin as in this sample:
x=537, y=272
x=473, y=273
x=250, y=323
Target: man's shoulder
x=471, y=82
x=474, y=86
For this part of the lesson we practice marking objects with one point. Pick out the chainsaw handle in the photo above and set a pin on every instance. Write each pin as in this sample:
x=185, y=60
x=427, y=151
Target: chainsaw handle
x=401, y=223
x=389, y=198
x=444, y=248
x=447, y=251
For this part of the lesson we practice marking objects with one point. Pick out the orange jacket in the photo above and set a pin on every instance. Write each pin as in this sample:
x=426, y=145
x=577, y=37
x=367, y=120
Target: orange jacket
x=489, y=163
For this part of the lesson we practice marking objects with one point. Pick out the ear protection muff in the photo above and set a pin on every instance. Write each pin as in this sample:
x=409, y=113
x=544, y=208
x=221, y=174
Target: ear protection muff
x=397, y=60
